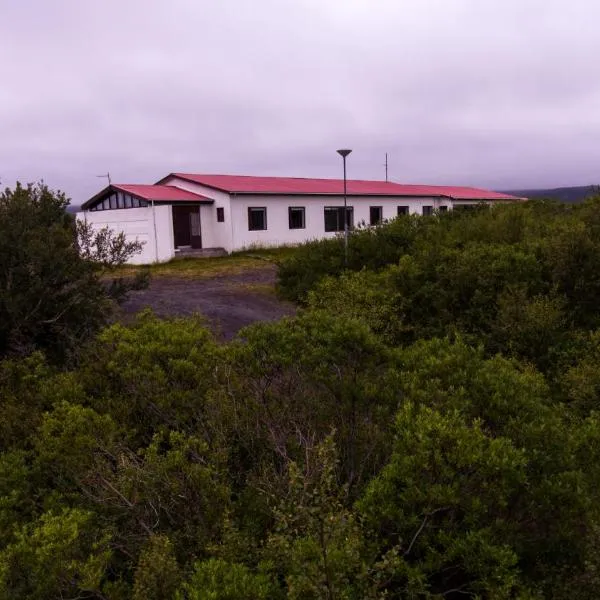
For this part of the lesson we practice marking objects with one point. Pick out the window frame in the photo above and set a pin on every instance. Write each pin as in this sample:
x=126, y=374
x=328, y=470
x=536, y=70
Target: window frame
x=379, y=220
x=255, y=210
x=302, y=211
x=339, y=210
x=402, y=210
x=220, y=214
x=427, y=210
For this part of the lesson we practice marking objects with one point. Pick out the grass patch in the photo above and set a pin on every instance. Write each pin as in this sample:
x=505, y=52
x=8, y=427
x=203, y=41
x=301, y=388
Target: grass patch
x=193, y=268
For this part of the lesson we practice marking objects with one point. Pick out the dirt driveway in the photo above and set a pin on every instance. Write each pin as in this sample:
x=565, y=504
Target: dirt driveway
x=229, y=302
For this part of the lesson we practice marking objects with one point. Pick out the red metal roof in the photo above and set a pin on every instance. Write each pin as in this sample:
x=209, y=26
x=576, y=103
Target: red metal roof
x=160, y=193
x=244, y=184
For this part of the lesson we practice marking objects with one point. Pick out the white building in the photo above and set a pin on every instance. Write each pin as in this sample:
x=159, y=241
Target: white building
x=233, y=212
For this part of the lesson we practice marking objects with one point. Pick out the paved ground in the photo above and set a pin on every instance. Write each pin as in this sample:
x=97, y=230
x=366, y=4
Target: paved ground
x=229, y=302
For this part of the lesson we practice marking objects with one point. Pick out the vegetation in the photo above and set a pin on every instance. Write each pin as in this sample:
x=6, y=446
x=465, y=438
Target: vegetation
x=426, y=427
x=231, y=264
x=52, y=294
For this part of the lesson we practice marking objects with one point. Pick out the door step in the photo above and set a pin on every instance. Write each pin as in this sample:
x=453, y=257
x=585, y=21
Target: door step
x=199, y=252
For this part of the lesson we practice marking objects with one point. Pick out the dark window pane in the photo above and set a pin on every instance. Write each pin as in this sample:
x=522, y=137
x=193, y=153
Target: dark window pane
x=220, y=215
x=257, y=219
x=334, y=218
x=349, y=218
x=375, y=213
x=143, y=203
x=296, y=217
x=113, y=201
x=127, y=199
x=427, y=210
x=120, y=200
x=402, y=210
x=135, y=202
x=443, y=208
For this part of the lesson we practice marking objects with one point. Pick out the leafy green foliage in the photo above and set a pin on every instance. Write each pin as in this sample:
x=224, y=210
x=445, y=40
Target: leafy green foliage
x=52, y=295
x=426, y=427
x=56, y=556
x=216, y=579
x=157, y=576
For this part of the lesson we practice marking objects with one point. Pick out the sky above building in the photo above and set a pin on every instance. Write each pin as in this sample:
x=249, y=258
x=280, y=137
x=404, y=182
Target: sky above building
x=498, y=94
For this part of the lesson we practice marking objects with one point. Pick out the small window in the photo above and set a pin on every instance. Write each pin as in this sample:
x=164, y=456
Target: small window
x=113, y=201
x=220, y=215
x=105, y=204
x=257, y=218
x=443, y=209
x=375, y=213
x=127, y=199
x=334, y=218
x=427, y=210
x=135, y=202
x=120, y=200
x=296, y=217
x=402, y=210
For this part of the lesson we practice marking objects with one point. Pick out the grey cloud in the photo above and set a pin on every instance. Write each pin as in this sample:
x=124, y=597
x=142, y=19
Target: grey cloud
x=479, y=92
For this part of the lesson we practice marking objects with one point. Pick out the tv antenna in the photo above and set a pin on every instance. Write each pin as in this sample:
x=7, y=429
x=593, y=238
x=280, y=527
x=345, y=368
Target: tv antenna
x=386, y=167
x=107, y=175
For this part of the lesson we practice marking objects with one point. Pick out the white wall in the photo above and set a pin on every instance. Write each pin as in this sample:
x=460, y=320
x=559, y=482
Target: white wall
x=138, y=224
x=233, y=234
x=214, y=234
x=278, y=232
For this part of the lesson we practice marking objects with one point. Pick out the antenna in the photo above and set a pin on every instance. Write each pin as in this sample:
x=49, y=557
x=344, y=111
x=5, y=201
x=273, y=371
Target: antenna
x=386, y=167
x=107, y=176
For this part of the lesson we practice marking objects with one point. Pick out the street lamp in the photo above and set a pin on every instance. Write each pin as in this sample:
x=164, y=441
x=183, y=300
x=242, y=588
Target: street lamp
x=343, y=153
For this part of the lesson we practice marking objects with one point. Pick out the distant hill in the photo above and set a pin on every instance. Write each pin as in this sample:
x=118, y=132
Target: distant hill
x=572, y=195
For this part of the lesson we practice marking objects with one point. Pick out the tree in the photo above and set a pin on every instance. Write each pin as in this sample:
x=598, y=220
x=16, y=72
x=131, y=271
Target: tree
x=53, y=291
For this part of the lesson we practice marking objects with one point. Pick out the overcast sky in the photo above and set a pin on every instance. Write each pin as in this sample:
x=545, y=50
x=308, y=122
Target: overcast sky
x=492, y=93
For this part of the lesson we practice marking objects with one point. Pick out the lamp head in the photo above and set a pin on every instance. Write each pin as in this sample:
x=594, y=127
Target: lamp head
x=344, y=152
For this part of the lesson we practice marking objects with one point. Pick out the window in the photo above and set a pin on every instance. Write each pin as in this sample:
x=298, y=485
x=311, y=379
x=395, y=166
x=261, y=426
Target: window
x=105, y=204
x=296, y=217
x=220, y=215
x=334, y=218
x=257, y=218
x=402, y=210
x=428, y=210
x=113, y=201
x=443, y=208
x=376, y=214
x=135, y=202
x=127, y=201
x=120, y=201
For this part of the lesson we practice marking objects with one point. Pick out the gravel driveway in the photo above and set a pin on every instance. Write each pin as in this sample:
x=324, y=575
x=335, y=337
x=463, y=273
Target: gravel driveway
x=229, y=302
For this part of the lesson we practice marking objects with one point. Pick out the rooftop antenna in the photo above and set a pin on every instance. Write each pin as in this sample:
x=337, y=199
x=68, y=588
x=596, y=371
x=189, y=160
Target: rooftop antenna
x=386, y=167
x=107, y=175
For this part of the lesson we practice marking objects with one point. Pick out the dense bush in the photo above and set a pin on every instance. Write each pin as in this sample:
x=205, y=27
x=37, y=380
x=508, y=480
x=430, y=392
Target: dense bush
x=426, y=428
x=166, y=465
x=53, y=295
x=521, y=279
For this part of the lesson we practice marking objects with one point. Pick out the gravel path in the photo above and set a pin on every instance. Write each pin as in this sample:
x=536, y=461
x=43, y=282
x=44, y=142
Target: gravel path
x=229, y=302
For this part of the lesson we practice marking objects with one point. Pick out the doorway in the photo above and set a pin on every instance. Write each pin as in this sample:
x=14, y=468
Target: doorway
x=187, y=232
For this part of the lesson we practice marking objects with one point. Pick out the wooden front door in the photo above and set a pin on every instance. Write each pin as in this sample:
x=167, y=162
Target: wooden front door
x=186, y=226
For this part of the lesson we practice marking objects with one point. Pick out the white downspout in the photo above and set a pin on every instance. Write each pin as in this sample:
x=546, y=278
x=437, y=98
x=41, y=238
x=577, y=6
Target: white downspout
x=155, y=237
x=231, y=198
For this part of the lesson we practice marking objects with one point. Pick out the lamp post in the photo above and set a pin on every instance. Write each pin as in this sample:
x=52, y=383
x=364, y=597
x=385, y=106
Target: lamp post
x=343, y=153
